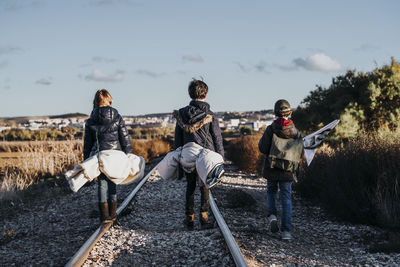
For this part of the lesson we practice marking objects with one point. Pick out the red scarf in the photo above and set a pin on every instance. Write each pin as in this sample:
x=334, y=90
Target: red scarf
x=283, y=122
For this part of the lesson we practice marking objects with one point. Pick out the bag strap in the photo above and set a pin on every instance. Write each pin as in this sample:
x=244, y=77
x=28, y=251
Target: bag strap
x=97, y=140
x=98, y=146
x=207, y=133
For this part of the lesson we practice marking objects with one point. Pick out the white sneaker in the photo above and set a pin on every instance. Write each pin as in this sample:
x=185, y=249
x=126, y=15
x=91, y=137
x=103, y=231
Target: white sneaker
x=273, y=223
x=286, y=235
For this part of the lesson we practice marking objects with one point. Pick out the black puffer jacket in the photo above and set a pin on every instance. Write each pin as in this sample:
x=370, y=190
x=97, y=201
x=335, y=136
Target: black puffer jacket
x=111, y=132
x=283, y=131
x=197, y=123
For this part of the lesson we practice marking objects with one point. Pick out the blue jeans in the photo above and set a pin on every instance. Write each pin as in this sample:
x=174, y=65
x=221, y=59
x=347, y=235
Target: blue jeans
x=107, y=189
x=285, y=195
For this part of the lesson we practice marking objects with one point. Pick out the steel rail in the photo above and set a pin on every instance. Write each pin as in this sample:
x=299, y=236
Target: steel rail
x=230, y=241
x=81, y=255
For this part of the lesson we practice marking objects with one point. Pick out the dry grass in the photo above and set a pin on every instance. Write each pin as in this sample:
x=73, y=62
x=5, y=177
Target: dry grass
x=25, y=163
x=244, y=153
x=150, y=148
x=41, y=146
x=38, y=160
x=358, y=181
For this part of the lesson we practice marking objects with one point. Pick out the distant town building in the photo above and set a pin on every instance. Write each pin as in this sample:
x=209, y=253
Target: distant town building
x=227, y=121
x=4, y=128
x=257, y=125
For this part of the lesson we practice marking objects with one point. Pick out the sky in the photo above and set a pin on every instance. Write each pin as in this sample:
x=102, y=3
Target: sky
x=54, y=54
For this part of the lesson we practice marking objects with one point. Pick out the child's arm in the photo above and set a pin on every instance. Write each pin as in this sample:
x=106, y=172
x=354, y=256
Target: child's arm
x=178, y=140
x=215, y=132
x=87, y=142
x=264, y=144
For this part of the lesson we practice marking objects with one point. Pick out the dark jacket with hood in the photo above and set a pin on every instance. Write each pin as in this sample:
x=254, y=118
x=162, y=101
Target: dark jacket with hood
x=197, y=123
x=111, y=132
x=284, y=129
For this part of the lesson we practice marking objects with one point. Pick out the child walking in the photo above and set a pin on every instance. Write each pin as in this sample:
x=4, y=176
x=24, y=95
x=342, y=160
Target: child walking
x=197, y=123
x=283, y=146
x=105, y=130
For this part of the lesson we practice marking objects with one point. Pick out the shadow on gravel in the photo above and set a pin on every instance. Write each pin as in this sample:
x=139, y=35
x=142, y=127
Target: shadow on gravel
x=15, y=203
x=239, y=199
x=10, y=235
x=390, y=245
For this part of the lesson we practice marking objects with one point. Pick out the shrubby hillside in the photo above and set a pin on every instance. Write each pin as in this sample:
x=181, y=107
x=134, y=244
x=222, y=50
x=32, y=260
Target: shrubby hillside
x=356, y=176
x=364, y=102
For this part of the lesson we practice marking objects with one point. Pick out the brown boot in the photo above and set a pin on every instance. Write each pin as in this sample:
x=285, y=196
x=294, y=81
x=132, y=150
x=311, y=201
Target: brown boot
x=205, y=223
x=189, y=221
x=113, y=210
x=104, y=212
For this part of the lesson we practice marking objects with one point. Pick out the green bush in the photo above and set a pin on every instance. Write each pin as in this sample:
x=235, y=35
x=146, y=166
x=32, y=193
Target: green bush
x=245, y=130
x=362, y=101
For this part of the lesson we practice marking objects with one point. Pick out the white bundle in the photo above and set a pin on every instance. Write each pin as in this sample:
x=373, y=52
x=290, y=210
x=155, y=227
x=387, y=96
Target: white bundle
x=119, y=167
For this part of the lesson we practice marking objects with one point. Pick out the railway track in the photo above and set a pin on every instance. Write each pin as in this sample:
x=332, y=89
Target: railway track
x=151, y=225
x=47, y=226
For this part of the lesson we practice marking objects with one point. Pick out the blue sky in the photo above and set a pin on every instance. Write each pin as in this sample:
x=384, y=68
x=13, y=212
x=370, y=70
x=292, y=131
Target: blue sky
x=54, y=55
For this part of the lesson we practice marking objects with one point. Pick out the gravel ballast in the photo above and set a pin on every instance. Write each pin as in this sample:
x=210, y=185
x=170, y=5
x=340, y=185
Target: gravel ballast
x=150, y=232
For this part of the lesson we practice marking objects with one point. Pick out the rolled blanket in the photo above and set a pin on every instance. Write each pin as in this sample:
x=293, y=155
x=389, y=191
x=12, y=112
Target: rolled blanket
x=191, y=156
x=119, y=167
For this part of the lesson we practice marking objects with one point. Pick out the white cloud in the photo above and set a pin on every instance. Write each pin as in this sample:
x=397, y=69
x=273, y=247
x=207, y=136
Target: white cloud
x=241, y=66
x=14, y=5
x=366, y=48
x=286, y=67
x=7, y=84
x=318, y=62
x=261, y=66
x=99, y=59
x=191, y=58
x=44, y=81
x=111, y=2
x=99, y=76
x=9, y=49
x=149, y=73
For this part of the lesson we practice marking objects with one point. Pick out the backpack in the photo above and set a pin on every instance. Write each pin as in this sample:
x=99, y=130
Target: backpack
x=285, y=154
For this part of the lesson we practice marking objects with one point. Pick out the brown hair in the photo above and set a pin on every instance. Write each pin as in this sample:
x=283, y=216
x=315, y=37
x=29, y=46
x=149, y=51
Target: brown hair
x=197, y=89
x=102, y=98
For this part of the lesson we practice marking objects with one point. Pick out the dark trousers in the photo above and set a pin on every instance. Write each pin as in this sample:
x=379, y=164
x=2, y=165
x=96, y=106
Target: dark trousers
x=107, y=190
x=191, y=179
